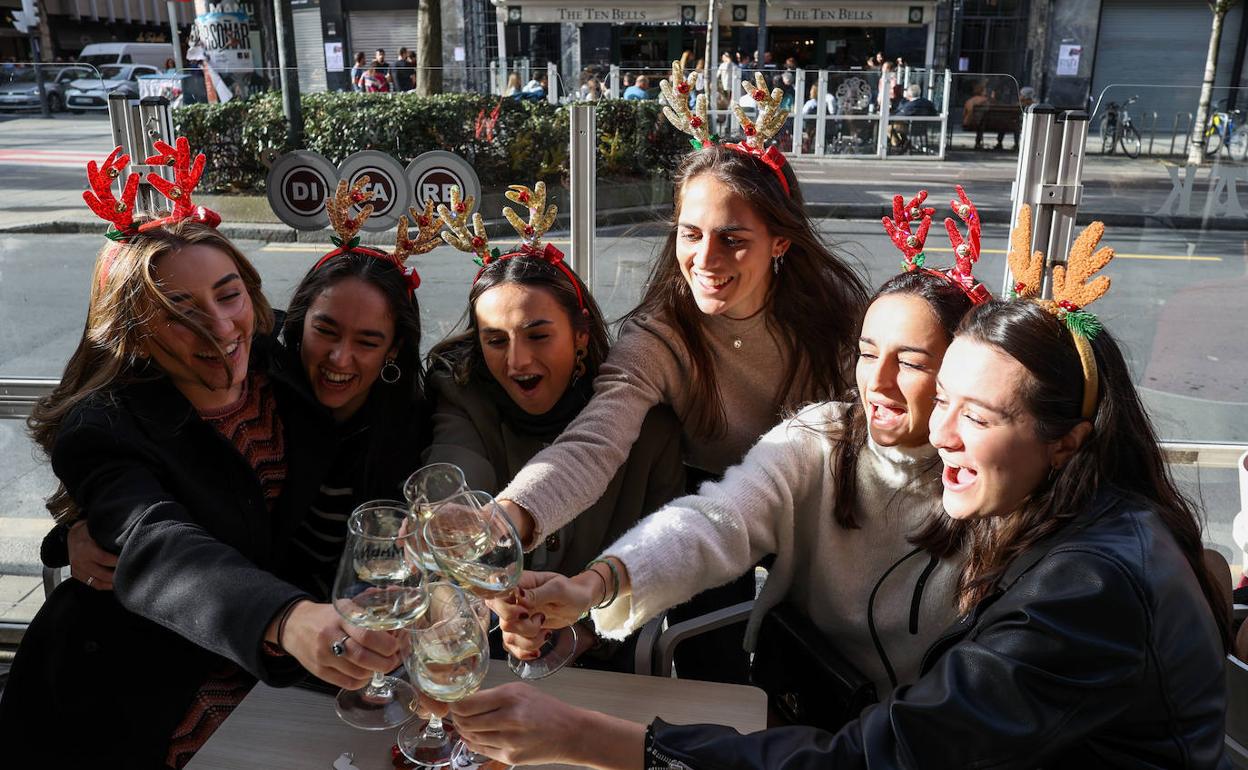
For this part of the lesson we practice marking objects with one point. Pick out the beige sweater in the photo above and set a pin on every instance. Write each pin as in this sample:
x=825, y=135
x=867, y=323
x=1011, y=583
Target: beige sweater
x=779, y=501
x=649, y=365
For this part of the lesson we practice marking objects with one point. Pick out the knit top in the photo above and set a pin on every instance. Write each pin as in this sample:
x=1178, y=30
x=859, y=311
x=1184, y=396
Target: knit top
x=254, y=427
x=650, y=365
x=779, y=500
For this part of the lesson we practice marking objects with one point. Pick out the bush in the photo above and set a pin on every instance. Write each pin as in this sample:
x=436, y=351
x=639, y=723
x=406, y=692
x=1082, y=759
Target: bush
x=529, y=140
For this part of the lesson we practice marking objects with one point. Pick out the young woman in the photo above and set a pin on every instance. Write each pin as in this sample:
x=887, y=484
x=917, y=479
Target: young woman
x=512, y=381
x=746, y=314
x=1091, y=634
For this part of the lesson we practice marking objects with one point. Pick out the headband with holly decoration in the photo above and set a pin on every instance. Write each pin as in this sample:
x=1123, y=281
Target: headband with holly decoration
x=476, y=242
x=910, y=240
x=347, y=228
x=1072, y=291
x=695, y=122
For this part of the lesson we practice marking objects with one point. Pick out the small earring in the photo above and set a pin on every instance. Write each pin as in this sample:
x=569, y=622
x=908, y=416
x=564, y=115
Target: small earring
x=776, y=262
x=390, y=373
x=580, y=369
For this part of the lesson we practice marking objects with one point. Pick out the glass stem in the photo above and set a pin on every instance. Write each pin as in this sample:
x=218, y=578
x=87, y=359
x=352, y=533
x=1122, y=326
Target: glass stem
x=378, y=687
x=434, y=728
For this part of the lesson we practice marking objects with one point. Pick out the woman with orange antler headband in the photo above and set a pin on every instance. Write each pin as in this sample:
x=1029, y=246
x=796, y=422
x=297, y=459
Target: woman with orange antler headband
x=746, y=314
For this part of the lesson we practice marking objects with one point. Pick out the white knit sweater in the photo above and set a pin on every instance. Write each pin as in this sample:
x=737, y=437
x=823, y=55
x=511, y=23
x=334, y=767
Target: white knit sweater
x=779, y=500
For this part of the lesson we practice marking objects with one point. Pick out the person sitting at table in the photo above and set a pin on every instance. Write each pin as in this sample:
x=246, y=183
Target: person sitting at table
x=834, y=494
x=521, y=370
x=746, y=314
x=1091, y=633
x=638, y=90
x=191, y=464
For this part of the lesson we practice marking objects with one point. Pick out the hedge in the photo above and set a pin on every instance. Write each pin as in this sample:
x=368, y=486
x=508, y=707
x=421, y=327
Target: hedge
x=529, y=140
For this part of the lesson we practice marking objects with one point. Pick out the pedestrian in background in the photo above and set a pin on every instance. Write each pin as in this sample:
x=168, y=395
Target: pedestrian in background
x=357, y=72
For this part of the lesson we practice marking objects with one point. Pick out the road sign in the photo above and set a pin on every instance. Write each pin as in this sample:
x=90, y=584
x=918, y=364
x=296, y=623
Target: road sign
x=387, y=182
x=298, y=184
x=434, y=173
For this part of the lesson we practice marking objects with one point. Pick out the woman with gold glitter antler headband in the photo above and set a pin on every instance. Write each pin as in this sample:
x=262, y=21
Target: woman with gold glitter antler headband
x=178, y=443
x=746, y=314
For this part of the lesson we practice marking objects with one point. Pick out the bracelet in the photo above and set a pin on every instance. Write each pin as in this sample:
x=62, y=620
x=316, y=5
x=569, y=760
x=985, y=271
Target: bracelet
x=605, y=588
x=281, y=624
x=615, y=580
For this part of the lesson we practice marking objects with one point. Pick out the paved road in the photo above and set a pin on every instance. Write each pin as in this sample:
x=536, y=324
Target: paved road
x=1177, y=305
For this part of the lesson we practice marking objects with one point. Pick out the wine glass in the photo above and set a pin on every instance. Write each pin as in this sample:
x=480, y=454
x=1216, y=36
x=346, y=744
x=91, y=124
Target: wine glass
x=380, y=587
x=427, y=487
x=449, y=656
x=472, y=540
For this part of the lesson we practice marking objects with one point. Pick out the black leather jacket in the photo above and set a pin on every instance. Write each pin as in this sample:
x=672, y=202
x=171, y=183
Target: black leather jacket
x=1098, y=651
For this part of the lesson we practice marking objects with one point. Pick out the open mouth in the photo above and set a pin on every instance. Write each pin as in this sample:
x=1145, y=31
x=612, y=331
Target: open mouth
x=231, y=351
x=958, y=478
x=886, y=416
x=336, y=380
x=527, y=382
x=712, y=284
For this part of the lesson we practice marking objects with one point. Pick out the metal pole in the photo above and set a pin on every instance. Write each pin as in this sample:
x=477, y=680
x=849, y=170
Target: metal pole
x=1029, y=172
x=821, y=114
x=37, y=59
x=171, y=8
x=885, y=103
x=797, y=115
x=613, y=81
x=1152, y=133
x=552, y=82
x=762, y=33
x=153, y=122
x=500, y=16
x=583, y=165
x=944, y=115
x=1174, y=132
x=1064, y=195
x=289, y=75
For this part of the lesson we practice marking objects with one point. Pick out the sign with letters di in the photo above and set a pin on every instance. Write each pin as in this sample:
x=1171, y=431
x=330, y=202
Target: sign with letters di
x=299, y=182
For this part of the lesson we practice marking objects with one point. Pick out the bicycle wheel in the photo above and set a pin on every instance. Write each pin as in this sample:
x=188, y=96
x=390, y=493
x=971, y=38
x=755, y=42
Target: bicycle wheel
x=1213, y=142
x=1131, y=143
x=1238, y=145
x=1108, y=135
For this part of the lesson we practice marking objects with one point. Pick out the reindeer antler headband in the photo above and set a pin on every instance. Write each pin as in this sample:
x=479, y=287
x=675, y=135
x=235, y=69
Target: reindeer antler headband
x=475, y=241
x=347, y=228
x=911, y=240
x=694, y=121
x=120, y=212
x=1072, y=291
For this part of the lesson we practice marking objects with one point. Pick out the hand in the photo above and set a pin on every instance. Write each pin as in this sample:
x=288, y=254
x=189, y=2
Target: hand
x=87, y=561
x=543, y=601
x=312, y=629
x=521, y=519
x=520, y=725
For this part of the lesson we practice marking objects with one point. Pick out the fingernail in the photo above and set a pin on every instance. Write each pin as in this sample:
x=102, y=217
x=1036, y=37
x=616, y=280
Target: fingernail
x=524, y=616
x=520, y=591
x=539, y=618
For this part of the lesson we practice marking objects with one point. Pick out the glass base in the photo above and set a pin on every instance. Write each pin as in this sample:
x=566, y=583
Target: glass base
x=378, y=709
x=426, y=750
x=465, y=759
x=555, y=655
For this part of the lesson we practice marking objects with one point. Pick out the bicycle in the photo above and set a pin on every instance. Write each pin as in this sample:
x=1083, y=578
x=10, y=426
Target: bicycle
x=1227, y=130
x=1117, y=129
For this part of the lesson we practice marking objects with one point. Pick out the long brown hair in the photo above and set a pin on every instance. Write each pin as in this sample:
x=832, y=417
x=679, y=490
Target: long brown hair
x=814, y=303
x=1122, y=452
x=124, y=296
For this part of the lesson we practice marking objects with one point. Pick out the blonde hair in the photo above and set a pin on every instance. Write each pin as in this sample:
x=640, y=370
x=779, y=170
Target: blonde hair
x=124, y=298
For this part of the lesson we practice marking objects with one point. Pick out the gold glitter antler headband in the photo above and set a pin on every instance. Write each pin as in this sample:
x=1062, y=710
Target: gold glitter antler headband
x=1072, y=291
x=770, y=116
x=339, y=206
x=456, y=234
x=676, y=92
x=541, y=216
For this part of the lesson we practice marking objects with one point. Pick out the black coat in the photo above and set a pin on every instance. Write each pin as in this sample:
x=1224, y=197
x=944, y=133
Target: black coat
x=195, y=585
x=1099, y=651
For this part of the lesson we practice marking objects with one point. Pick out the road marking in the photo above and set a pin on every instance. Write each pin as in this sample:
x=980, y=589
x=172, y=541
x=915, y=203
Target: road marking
x=47, y=157
x=1117, y=255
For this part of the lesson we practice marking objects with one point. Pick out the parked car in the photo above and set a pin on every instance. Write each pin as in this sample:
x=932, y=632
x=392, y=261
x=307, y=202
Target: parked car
x=153, y=54
x=92, y=93
x=22, y=93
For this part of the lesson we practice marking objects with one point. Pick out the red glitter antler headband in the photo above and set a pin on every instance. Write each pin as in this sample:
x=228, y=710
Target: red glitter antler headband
x=695, y=122
x=347, y=228
x=911, y=240
x=475, y=241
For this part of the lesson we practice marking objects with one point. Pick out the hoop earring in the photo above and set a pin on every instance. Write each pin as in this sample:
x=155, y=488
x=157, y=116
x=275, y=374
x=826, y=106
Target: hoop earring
x=390, y=373
x=580, y=369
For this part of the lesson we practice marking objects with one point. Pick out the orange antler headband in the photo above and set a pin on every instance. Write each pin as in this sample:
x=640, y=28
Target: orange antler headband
x=541, y=217
x=347, y=228
x=695, y=122
x=1072, y=291
x=910, y=240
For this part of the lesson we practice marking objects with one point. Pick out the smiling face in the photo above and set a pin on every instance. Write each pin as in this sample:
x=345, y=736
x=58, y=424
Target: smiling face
x=994, y=458
x=899, y=352
x=203, y=283
x=348, y=334
x=528, y=344
x=724, y=249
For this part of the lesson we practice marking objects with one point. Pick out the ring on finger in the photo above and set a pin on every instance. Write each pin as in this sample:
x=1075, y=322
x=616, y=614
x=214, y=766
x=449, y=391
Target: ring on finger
x=90, y=579
x=339, y=648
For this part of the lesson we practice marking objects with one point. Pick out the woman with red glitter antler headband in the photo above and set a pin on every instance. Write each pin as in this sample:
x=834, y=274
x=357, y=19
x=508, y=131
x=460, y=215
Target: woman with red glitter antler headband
x=189, y=463
x=746, y=314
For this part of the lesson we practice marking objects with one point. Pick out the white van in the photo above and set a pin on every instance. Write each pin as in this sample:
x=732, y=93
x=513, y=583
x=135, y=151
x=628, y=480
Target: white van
x=153, y=54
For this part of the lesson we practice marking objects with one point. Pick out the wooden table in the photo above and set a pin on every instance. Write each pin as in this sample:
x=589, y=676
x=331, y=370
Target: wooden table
x=297, y=728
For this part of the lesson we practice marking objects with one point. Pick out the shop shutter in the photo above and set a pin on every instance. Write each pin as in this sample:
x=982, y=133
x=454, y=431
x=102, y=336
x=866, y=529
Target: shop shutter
x=310, y=49
x=1130, y=43
x=388, y=30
